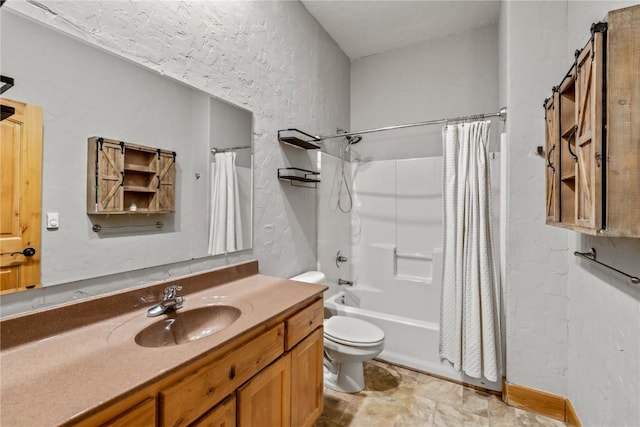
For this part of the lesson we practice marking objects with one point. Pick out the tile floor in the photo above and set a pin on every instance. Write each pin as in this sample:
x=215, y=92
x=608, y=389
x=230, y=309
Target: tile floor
x=398, y=397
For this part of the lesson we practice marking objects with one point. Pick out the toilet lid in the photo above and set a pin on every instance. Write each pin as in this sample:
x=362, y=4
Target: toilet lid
x=352, y=331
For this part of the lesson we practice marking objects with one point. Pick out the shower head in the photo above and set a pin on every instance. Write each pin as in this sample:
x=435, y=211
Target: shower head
x=353, y=139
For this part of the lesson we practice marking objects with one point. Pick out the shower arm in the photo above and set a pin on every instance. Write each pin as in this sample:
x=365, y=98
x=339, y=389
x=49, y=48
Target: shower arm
x=502, y=114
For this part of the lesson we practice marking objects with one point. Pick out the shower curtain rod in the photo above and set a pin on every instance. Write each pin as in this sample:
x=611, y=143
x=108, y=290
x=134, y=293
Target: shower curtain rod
x=502, y=114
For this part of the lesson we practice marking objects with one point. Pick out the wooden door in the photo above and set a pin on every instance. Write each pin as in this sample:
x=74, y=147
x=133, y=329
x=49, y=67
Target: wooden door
x=307, y=380
x=589, y=147
x=552, y=164
x=20, y=197
x=266, y=399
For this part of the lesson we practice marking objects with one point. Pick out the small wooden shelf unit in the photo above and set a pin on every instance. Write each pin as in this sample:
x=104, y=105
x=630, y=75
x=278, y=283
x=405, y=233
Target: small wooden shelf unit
x=126, y=178
x=592, y=127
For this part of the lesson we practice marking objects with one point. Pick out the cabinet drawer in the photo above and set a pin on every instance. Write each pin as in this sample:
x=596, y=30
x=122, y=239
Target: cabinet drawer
x=143, y=414
x=187, y=400
x=304, y=322
x=223, y=415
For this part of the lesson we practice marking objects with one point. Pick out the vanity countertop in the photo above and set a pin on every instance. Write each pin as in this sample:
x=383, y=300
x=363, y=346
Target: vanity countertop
x=68, y=376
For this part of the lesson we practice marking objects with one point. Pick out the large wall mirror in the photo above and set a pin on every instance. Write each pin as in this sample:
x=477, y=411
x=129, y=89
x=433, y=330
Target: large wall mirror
x=85, y=91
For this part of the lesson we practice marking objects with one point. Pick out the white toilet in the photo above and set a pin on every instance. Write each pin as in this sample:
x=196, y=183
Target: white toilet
x=348, y=342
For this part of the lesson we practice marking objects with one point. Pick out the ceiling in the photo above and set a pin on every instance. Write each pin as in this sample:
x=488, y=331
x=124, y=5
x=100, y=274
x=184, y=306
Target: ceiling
x=365, y=27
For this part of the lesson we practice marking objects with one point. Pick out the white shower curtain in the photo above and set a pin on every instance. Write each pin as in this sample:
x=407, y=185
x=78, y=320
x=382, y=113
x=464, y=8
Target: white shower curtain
x=469, y=317
x=225, y=228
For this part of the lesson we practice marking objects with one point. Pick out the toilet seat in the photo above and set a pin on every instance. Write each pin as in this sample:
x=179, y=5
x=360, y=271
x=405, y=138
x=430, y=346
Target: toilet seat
x=352, y=332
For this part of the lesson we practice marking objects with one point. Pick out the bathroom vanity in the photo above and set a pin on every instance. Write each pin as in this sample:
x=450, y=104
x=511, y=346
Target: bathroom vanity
x=86, y=364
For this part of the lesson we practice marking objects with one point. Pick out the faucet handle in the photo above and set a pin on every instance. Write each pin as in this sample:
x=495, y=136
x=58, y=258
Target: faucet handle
x=171, y=291
x=178, y=302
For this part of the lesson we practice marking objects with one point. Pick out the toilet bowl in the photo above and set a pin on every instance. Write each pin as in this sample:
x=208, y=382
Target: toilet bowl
x=348, y=343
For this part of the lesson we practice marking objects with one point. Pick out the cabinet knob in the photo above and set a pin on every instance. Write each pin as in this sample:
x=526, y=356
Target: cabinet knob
x=232, y=372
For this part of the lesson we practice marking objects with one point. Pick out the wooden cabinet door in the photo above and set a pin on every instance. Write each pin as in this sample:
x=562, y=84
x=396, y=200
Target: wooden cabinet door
x=166, y=182
x=223, y=415
x=589, y=147
x=106, y=176
x=307, y=380
x=266, y=400
x=552, y=164
x=20, y=195
x=623, y=123
x=187, y=400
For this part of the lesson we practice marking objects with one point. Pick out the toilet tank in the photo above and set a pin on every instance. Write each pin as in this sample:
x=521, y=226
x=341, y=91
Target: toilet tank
x=311, y=277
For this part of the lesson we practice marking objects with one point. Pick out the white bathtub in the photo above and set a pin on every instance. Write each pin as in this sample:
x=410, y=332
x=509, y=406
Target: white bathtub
x=409, y=342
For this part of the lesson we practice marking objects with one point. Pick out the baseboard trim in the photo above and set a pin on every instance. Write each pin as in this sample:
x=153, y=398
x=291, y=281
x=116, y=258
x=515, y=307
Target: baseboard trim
x=541, y=402
x=570, y=416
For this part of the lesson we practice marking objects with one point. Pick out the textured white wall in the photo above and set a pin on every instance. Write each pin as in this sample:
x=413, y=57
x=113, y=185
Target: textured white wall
x=572, y=327
x=536, y=270
x=269, y=57
x=446, y=77
x=604, y=307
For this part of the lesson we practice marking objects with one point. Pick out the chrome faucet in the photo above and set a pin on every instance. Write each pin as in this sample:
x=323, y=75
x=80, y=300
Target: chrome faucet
x=170, y=302
x=345, y=282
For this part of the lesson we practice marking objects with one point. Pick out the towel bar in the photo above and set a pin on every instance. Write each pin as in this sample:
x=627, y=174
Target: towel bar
x=97, y=227
x=591, y=256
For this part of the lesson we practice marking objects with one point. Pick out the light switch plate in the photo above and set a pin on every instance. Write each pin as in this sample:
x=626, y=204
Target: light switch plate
x=53, y=220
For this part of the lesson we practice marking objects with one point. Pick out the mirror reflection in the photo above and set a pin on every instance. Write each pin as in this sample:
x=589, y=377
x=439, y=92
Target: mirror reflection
x=84, y=91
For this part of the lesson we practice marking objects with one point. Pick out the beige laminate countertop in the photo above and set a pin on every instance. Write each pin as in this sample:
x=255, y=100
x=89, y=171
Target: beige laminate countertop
x=64, y=377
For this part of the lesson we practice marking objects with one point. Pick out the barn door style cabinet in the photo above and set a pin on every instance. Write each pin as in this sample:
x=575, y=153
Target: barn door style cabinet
x=129, y=178
x=592, y=133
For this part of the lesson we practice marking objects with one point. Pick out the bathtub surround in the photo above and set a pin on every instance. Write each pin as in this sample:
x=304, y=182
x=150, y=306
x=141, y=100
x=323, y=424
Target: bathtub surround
x=396, y=257
x=397, y=220
x=469, y=311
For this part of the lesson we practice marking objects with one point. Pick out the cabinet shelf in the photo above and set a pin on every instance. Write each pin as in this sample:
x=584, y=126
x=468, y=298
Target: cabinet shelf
x=138, y=189
x=139, y=169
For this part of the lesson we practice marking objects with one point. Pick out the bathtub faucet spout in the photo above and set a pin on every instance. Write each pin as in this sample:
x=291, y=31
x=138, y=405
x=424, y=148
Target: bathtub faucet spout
x=345, y=282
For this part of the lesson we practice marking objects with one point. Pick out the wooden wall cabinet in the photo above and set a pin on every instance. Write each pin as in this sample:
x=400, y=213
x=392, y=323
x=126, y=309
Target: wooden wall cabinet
x=592, y=123
x=129, y=178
